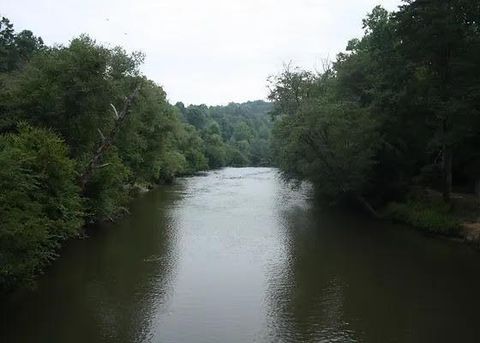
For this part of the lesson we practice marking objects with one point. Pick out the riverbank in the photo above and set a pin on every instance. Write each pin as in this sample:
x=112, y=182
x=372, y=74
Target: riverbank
x=426, y=211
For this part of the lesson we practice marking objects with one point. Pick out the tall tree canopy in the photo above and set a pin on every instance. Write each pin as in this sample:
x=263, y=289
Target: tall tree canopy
x=405, y=96
x=81, y=130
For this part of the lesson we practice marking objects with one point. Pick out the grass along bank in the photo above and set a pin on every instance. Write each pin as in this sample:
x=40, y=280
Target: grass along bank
x=426, y=211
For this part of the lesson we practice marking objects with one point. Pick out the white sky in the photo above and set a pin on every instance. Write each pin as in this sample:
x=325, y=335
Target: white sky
x=204, y=51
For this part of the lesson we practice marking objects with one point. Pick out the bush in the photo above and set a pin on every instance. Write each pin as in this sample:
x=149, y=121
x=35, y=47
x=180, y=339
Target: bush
x=39, y=203
x=432, y=216
x=172, y=163
x=106, y=193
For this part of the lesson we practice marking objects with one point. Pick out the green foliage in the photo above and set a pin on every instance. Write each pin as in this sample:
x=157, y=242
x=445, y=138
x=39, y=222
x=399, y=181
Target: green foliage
x=289, y=89
x=432, y=217
x=215, y=150
x=235, y=157
x=148, y=134
x=234, y=135
x=331, y=144
x=16, y=49
x=191, y=146
x=75, y=159
x=39, y=203
x=69, y=89
x=106, y=193
x=173, y=163
x=411, y=84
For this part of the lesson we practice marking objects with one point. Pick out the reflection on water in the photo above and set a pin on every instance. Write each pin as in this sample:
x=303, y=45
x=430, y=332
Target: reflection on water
x=237, y=256
x=101, y=289
x=350, y=279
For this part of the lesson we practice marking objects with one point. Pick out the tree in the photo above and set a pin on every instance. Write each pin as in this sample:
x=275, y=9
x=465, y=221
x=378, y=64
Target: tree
x=289, y=89
x=238, y=125
x=415, y=77
x=373, y=73
x=332, y=145
x=439, y=40
x=39, y=203
x=82, y=129
x=16, y=48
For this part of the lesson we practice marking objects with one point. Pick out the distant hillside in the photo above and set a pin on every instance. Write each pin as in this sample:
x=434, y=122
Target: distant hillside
x=235, y=134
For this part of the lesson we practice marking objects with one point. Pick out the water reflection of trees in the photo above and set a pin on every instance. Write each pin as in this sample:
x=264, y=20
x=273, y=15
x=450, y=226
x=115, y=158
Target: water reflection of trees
x=305, y=295
x=138, y=268
x=345, y=278
x=105, y=288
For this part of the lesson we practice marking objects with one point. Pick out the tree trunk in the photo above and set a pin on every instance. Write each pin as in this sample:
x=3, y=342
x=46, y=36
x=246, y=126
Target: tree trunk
x=447, y=172
x=477, y=188
x=366, y=205
x=107, y=141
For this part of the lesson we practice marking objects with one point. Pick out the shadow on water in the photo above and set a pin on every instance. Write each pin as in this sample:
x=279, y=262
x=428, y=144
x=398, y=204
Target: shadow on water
x=347, y=278
x=102, y=289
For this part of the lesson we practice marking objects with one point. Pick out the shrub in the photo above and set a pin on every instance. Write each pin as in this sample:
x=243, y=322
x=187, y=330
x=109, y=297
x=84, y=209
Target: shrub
x=106, y=194
x=39, y=202
x=432, y=216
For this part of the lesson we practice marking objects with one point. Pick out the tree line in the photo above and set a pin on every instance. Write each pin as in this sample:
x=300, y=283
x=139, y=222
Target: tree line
x=82, y=131
x=399, y=109
x=235, y=135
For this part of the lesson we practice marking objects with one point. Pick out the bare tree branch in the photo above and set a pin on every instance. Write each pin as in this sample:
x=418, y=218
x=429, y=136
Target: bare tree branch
x=108, y=140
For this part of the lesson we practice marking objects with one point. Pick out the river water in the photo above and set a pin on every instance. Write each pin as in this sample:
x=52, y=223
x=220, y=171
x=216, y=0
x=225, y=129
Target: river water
x=238, y=256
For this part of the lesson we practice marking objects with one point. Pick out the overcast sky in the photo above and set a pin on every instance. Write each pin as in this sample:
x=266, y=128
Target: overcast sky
x=204, y=51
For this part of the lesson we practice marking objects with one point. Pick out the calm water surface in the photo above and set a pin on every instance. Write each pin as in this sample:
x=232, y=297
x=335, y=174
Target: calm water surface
x=236, y=256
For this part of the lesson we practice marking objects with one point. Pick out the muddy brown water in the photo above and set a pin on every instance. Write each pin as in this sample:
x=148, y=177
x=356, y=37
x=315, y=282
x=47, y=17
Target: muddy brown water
x=238, y=256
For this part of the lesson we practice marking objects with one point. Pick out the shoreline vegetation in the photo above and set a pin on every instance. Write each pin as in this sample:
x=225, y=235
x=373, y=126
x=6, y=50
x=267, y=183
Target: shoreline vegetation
x=426, y=211
x=392, y=125
x=82, y=131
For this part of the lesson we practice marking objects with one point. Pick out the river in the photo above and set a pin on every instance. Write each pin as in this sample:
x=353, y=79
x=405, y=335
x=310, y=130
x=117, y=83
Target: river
x=238, y=256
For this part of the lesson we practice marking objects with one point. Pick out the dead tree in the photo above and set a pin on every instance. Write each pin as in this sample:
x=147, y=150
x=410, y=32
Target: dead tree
x=107, y=141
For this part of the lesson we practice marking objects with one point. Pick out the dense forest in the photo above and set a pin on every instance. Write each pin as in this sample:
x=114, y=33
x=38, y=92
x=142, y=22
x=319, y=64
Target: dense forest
x=397, y=112
x=82, y=131
x=234, y=135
